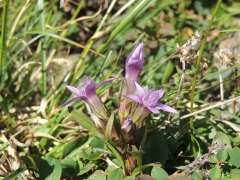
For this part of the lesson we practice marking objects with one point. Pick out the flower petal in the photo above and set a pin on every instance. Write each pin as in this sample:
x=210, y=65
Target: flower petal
x=139, y=89
x=134, y=98
x=105, y=82
x=166, y=108
x=160, y=93
x=70, y=101
x=155, y=111
x=74, y=90
x=134, y=62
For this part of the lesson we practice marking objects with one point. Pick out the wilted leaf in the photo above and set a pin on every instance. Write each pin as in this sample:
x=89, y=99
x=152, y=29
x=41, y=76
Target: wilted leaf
x=144, y=177
x=179, y=176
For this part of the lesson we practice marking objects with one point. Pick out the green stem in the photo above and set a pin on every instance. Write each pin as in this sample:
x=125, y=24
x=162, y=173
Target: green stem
x=43, y=48
x=3, y=41
x=196, y=74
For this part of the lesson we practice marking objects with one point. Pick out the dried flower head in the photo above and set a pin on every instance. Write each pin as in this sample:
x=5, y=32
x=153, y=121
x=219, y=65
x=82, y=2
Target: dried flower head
x=225, y=58
x=189, y=51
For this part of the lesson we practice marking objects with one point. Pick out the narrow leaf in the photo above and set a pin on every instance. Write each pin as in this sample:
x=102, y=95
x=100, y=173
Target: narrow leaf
x=108, y=132
x=85, y=122
x=139, y=170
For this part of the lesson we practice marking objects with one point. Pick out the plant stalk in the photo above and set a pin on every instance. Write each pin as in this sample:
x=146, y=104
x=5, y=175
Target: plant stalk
x=43, y=48
x=3, y=41
x=196, y=74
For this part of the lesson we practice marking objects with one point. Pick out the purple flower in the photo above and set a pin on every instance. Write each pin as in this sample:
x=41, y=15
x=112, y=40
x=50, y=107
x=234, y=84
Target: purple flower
x=134, y=62
x=127, y=129
x=127, y=126
x=133, y=69
x=87, y=92
x=148, y=102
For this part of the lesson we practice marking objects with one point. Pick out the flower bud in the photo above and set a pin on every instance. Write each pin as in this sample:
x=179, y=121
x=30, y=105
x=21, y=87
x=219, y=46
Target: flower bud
x=127, y=128
x=133, y=69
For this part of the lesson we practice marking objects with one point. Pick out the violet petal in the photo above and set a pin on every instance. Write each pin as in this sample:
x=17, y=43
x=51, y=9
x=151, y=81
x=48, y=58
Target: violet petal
x=70, y=101
x=134, y=98
x=105, y=82
x=139, y=89
x=153, y=110
x=74, y=90
x=166, y=108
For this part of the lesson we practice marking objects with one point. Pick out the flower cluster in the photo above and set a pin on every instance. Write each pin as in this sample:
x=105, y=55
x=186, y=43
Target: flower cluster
x=147, y=100
x=135, y=104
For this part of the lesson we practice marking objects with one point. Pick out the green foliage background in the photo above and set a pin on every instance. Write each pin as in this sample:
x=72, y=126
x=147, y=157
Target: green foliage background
x=45, y=45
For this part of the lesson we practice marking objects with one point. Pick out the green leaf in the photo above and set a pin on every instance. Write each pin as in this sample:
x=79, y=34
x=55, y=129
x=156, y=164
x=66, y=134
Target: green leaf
x=32, y=161
x=234, y=156
x=85, y=169
x=49, y=168
x=156, y=149
x=129, y=178
x=226, y=178
x=108, y=132
x=140, y=169
x=167, y=72
x=215, y=173
x=57, y=170
x=110, y=169
x=96, y=143
x=157, y=172
x=69, y=166
x=75, y=145
x=222, y=139
x=97, y=176
x=235, y=177
x=85, y=122
x=222, y=155
x=94, y=156
x=16, y=173
x=235, y=172
x=116, y=174
x=198, y=176
x=185, y=128
x=114, y=151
